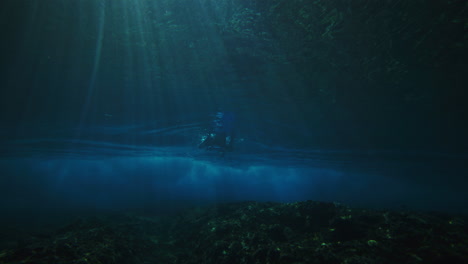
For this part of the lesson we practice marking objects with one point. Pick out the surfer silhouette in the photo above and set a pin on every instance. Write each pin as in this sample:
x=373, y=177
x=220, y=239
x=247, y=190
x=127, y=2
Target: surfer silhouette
x=221, y=135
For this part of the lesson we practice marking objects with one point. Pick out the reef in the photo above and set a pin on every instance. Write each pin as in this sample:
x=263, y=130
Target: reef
x=253, y=232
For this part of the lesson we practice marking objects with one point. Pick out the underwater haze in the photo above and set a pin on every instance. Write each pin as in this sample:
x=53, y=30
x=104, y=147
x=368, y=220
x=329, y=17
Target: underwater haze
x=103, y=104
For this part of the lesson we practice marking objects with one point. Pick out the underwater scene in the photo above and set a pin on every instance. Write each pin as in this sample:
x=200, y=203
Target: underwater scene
x=233, y=131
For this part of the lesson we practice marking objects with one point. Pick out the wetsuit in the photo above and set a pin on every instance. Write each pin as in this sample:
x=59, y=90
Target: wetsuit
x=222, y=133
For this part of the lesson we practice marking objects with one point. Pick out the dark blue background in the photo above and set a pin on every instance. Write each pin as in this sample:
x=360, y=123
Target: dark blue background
x=102, y=105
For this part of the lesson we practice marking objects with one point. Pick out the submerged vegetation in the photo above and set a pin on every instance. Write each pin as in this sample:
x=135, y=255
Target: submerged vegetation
x=252, y=232
x=379, y=65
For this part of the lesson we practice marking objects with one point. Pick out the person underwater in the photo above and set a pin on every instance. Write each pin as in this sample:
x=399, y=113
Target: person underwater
x=221, y=135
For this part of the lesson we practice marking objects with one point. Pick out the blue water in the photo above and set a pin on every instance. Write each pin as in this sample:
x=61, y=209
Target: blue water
x=70, y=177
x=103, y=105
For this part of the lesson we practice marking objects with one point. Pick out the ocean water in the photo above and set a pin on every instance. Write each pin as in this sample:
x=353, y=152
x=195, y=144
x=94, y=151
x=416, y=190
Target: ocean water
x=104, y=103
